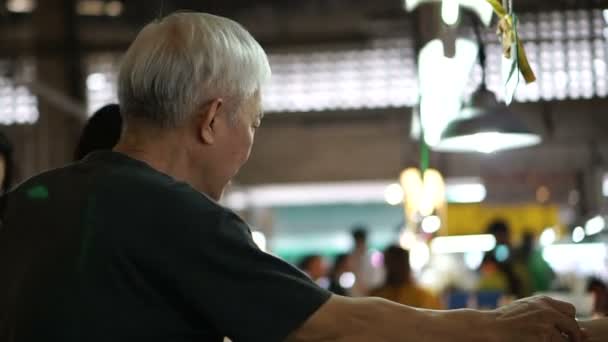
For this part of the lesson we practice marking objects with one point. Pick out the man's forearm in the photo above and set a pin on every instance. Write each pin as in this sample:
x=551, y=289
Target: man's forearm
x=395, y=322
x=375, y=319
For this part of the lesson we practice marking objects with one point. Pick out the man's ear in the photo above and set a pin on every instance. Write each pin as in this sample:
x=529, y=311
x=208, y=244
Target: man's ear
x=208, y=118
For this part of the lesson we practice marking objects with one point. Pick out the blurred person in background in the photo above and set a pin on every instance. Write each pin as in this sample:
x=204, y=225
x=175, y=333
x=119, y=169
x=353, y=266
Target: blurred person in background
x=142, y=251
x=367, y=276
x=535, y=273
x=400, y=286
x=101, y=132
x=491, y=278
x=598, y=289
x=7, y=163
x=503, y=255
x=314, y=266
x=342, y=265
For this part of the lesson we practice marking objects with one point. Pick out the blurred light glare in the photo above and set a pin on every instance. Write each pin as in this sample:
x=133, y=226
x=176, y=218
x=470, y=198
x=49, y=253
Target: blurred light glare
x=543, y=194
x=21, y=6
x=431, y=224
x=547, y=237
x=595, y=225
x=599, y=66
x=260, y=239
x=578, y=234
x=605, y=185
x=442, y=81
x=347, y=280
x=236, y=200
x=114, y=8
x=463, y=244
x=502, y=253
x=473, y=260
x=605, y=15
x=449, y=11
x=377, y=259
x=393, y=194
x=96, y=81
x=582, y=258
x=407, y=240
x=323, y=282
x=419, y=256
x=90, y=7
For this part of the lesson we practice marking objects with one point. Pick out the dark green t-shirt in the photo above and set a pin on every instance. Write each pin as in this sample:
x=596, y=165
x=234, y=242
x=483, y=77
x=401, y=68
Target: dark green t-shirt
x=109, y=249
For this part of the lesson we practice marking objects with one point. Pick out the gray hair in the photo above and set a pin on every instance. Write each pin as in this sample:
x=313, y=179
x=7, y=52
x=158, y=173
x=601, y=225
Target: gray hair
x=178, y=63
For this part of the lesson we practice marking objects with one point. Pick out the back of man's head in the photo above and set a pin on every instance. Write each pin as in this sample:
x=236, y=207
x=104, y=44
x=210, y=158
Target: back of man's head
x=177, y=64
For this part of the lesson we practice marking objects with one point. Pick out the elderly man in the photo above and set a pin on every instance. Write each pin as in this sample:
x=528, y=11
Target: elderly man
x=132, y=245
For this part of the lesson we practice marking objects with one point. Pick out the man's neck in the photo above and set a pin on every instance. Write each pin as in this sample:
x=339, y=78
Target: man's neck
x=168, y=154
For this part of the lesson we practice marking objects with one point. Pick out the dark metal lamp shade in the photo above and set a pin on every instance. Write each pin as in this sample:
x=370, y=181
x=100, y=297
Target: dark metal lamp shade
x=489, y=127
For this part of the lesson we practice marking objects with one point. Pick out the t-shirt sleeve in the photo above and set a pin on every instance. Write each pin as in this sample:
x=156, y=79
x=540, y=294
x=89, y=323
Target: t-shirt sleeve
x=247, y=294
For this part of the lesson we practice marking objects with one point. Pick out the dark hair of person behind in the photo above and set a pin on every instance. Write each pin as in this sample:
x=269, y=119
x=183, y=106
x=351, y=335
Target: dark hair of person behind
x=307, y=261
x=339, y=262
x=397, y=263
x=101, y=132
x=359, y=233
x=6, y=150
x=498, y=226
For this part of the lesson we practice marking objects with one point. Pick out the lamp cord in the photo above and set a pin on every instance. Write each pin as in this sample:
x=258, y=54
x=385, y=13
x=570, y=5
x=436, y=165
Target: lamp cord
x=482, y=50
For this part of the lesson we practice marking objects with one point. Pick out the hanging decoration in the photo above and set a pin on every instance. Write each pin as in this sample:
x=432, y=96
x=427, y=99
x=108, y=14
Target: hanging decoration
x=515, y=61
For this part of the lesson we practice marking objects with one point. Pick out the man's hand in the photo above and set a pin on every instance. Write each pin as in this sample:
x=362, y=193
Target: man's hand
x=596, y=330
x=538, y=319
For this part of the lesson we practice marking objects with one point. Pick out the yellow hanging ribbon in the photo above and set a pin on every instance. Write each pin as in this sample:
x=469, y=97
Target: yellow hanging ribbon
x=507, y=31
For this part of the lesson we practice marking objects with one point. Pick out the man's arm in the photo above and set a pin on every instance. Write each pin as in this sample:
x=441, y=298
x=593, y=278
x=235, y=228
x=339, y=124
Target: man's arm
x=374, y=319
x=596, y=330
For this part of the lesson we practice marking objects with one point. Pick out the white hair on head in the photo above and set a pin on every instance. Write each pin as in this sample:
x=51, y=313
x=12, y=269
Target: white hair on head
x=178, y=63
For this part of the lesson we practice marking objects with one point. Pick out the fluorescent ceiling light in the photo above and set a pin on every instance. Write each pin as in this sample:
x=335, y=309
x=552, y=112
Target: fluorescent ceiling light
x=277, y=195
x=465, y=190
x=463, y=244
x=458, y=190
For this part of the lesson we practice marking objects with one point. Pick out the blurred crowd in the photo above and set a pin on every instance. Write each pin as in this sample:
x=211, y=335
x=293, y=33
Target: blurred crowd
x=505, y=274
